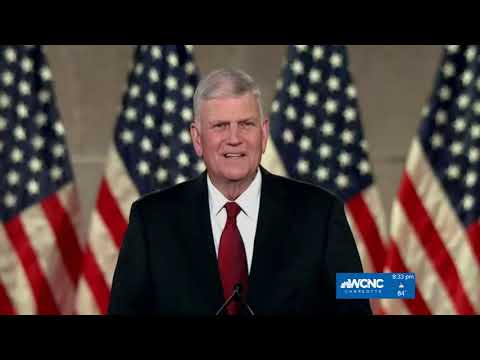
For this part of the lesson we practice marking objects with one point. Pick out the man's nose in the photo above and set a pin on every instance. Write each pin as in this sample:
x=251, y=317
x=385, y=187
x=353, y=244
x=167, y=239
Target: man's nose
x=233, y=137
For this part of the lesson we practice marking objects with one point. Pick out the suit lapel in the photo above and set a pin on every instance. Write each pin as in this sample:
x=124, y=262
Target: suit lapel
x=268, y=245
x=201, y=247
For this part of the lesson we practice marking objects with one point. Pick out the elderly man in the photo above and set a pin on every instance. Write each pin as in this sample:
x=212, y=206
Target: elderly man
x=237, y=239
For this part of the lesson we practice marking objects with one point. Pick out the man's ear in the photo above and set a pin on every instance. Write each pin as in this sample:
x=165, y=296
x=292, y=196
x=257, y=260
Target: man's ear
x=265, y=133
x=196, y=140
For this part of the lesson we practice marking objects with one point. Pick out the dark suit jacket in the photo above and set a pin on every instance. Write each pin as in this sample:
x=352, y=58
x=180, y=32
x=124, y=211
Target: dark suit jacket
x=168, y=265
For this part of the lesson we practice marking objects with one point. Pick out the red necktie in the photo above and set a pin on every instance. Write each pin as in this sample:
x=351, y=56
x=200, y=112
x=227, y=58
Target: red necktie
x=232, y=261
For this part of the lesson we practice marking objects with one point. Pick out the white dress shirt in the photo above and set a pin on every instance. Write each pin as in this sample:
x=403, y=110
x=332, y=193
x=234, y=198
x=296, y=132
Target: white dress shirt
x=249, y=202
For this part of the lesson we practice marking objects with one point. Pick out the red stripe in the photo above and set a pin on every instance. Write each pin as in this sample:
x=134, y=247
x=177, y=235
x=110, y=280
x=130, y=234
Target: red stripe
x=473, y=232
x=394, y=262
x=6, y=307
x=65, y=235
x=431, y=241
x=376, y=307
x=111, y=214
x=96, y=281
x=41, y=290
x=368, y=228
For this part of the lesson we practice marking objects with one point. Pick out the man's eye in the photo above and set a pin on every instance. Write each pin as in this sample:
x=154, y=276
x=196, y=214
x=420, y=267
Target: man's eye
x=246, y=124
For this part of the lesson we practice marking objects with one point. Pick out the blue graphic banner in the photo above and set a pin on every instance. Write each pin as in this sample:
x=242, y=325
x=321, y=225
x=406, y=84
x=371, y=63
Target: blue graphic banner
x=375, y=285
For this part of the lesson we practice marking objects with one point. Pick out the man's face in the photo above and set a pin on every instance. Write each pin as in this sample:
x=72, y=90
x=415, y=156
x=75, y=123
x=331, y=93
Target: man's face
x=231, y=137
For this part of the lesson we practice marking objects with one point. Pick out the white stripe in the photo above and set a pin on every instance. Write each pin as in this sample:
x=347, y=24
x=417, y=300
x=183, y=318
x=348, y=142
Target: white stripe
x=69, y=199
x=86, y=304
x=103, y=247
x=372, y=200
x=272, y=161
x=417, y=260
x=371, y=197
x=14, y=279
x=367, y=263
x=394, y=307
x=446, y=222
x=120, y=183
x=43, y=242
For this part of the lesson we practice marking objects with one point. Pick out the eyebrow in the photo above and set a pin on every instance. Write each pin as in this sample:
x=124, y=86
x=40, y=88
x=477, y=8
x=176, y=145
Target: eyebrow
x=228, y=121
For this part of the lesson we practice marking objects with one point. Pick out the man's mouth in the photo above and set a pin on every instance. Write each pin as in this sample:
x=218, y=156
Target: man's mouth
x=233, y=156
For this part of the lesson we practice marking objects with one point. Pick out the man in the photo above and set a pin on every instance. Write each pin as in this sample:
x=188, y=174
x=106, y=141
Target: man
x=237, y=235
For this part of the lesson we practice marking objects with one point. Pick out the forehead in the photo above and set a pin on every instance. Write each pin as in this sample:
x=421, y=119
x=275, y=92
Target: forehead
x=230, y=108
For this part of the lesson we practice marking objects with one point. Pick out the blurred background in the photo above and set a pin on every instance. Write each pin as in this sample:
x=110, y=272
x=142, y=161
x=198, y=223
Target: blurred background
x=393, y=83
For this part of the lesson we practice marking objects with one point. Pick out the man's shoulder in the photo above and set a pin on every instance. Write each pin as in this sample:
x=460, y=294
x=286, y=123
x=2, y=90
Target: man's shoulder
x=296, y=187
x=175, y=194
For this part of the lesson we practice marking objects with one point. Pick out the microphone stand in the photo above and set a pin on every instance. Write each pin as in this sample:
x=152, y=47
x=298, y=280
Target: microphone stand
x=236, y=296
x=247, y=307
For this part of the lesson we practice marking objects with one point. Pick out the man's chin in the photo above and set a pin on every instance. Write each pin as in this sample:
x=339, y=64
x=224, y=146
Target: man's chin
x=236, y=176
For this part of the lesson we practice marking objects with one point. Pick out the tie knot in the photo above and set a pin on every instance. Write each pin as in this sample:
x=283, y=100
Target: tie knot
x=232, y=210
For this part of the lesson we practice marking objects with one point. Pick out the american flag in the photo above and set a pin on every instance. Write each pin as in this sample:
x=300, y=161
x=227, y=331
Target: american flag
x=315, y=126
x=152, y=149
x=435, y=230
x=40, y=251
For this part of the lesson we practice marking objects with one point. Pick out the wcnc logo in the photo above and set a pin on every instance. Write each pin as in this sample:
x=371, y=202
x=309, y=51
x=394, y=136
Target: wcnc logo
x=375, y=285
x=362, y=284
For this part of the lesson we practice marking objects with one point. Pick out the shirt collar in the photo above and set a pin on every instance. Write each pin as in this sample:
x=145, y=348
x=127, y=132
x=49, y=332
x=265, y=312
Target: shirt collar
x=248, y=200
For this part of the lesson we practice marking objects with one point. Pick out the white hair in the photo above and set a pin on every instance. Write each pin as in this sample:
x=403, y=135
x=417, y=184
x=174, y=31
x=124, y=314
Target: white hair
x=225, y=83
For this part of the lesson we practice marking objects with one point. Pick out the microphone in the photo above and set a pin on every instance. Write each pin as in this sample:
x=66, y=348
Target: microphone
x=237, y=297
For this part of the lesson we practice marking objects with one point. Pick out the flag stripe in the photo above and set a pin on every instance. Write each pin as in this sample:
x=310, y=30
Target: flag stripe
x=111, y=214
x=434, y=246
x=65, y=235
x=42, y=240
x=106, y=251
x=14, y=278
x=416, y=259
x=473, y=232
x=68, y=199
x=125, y=192
x=41, y=290
x=365, y=258
x=96, y=281
x=94, y=288
x=99, y=263
x=418, y=304
x=377, y=307
x=371, y=197
x=445, y=220
x=86, y=302
x=368, y=229
x=6, y=307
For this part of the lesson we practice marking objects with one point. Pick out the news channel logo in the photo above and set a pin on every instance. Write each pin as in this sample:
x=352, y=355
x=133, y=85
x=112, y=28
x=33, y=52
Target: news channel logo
x=375, y=285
